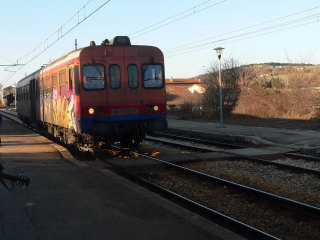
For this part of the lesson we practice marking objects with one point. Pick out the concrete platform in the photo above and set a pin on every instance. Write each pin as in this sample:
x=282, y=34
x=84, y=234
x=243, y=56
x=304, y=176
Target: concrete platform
x=68, y=199
x=275, y=139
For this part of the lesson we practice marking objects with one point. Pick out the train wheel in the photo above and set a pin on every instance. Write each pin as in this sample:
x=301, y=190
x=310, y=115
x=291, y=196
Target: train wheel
x=70, y=136
x=137, y=142
x=133, y=143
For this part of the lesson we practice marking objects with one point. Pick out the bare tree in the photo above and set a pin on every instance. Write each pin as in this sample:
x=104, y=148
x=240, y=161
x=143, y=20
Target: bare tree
x=231, y=75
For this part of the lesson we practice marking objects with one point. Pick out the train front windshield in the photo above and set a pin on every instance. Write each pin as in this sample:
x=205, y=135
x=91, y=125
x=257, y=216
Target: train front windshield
x=152, y=76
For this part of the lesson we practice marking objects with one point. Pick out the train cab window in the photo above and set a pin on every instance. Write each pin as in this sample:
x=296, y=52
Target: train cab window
x=93, y=77
x=152, y=76
x=133, y=80
x=115, y=77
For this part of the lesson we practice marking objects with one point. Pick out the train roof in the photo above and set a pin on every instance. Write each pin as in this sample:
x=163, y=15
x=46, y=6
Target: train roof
x=117, y=41
x=65, y=58
x=28, y=78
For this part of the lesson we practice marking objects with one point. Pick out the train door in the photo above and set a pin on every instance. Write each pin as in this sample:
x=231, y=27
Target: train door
x=32, y=91
x=116, y=84
x=133, y=93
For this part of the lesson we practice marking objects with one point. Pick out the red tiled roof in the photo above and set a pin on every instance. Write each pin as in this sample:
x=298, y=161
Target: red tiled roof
x=177, y=93
x=182, y=80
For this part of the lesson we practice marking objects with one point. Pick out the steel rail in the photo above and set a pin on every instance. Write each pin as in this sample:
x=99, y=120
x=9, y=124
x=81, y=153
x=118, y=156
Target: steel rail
x=287, y=203
x=244, y=157
x=253, y=159
x=306, y=157
x=228, y=222
x=282, y=165
x=152, y=139
x=199, y=140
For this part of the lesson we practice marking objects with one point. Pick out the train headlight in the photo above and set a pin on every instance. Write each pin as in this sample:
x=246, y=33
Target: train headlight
x=91, y=111
x=156, y=108
x=152, y=108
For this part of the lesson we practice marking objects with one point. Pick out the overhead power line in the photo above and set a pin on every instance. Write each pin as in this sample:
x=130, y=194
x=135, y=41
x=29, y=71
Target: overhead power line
x=79, y=17
x=226, y=41
x=174, y=18
x=197, y=45
x=10, y=65
x=244, y=28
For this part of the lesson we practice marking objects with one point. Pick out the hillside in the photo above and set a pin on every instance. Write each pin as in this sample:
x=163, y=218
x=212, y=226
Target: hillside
x=268, y=91
x=288, y=76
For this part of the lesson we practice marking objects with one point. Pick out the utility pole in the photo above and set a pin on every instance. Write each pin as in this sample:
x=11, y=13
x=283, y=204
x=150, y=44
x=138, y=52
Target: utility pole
x=219, y=51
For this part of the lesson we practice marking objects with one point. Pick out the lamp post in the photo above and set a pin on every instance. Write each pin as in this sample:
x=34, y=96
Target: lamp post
x=219, y=51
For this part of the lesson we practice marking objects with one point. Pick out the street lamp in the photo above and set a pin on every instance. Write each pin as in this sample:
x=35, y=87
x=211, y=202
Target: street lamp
x=219, y=51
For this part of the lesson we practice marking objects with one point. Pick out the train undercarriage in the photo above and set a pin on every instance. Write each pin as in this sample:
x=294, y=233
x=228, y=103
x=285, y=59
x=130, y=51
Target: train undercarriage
x=102, y=134
x=87, y=141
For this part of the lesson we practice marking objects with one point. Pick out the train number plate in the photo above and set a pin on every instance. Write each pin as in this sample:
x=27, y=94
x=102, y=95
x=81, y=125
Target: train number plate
x=120, y=111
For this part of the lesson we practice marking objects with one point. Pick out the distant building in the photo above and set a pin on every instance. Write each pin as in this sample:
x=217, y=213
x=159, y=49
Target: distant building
x=1, y=100
x=197, y=88
x=182, y=89
x=8, y=96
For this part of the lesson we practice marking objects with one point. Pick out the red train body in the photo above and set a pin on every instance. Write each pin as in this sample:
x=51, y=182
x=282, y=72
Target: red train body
x=111, y=92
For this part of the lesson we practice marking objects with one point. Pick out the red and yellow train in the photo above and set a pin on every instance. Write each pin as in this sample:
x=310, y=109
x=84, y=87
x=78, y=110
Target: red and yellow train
x=109, y=92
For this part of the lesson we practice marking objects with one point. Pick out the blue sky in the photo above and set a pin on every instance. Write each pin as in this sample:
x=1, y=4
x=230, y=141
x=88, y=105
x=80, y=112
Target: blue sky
x=182, y=26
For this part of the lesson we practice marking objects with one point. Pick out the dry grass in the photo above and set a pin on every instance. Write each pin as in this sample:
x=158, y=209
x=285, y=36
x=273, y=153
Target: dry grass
x=279, y=103
x=271, y=92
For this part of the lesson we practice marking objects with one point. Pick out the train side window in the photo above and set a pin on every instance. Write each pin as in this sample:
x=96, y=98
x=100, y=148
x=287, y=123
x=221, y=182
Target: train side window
x=37, y=87
x=41, y=88
x=93, y=77
x=76, y=80
x=62, y=82
x=153, y=76
x=54, y=80
x=133, y=80
x=27, y=92
x=114, y=76
x=70, y=78
x=47, y=85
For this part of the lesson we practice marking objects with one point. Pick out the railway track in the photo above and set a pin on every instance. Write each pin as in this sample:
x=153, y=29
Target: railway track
x=302, y=156
x=291, y=207
x=8, y=113
x=222, y=144
x=154, y=180
x=288, y=203
x=224, y=220
x=197, y=144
